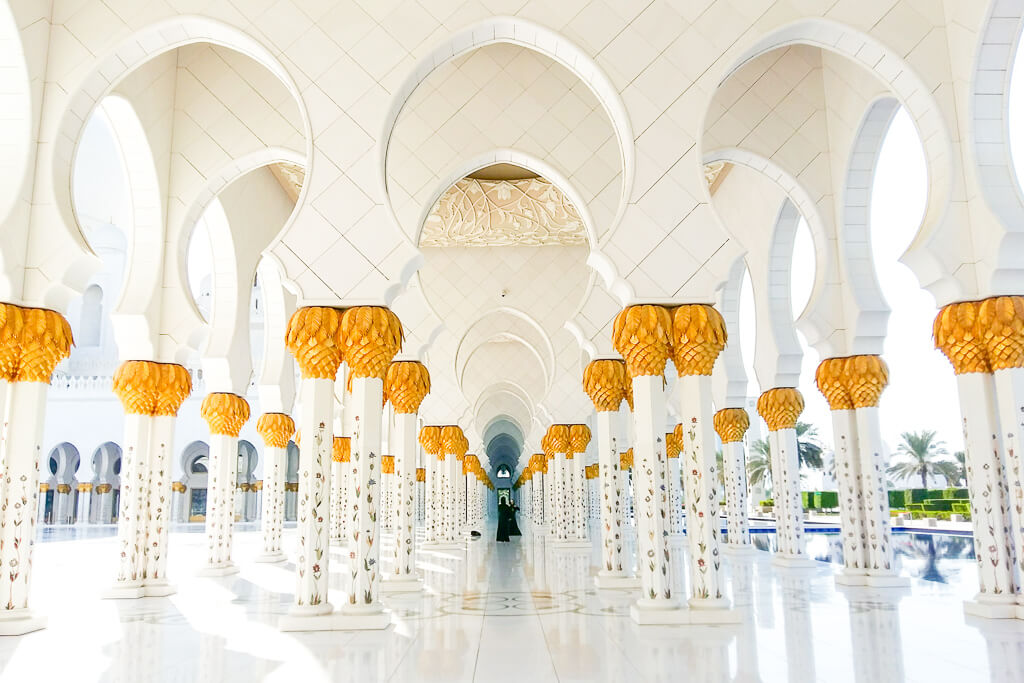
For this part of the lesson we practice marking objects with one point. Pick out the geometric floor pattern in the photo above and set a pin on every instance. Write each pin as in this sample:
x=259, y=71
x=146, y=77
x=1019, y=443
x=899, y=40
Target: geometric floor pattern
x=522, y=611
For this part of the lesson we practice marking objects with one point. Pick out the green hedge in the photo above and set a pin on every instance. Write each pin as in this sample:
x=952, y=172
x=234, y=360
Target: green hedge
x=955, y=494
x=829, y=500
x=896, y=499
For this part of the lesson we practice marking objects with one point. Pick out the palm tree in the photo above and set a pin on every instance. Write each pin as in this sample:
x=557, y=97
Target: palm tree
x=922, y=454
x=959, y=469
x=759, y=464
x=808, y=446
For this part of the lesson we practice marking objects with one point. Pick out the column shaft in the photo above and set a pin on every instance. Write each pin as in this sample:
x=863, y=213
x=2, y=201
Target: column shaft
x=986, y=483
x=734, y=461
x=611, y=495
x=848, y=479
x=158, y=497
x=272, y=524
x=790, y=507
x=875, y=493
x=220, y=502
x=700, y=474
x=364, y=496
x=405, y=446
x=131, y=524
x=313, y=504
x=649, y=464
x=20, y=444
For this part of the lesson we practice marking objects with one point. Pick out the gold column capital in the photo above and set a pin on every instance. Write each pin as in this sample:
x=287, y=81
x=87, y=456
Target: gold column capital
x=674, y=442
x=643, y=337
x=225, y=413
x=341, y=449
x=421, y=474
x=276, y=429
x=103, y=488
x=430, y=439
x=626, y=460
x=313, y=339
x=370, y=337
x=63, y=488
x=32, y=342
x=406, y=384
x=178, y=486
x=698, y=336
x=579, y=437
x=387, y=464
x=731, y=424
x=780, y=408
x=257, y=485
x=44, y=487
x=150, y=388
x=453, y=441
x=84, y=487
x=606, y=383
x=866, y=378
x=958, y=335
x=831, y=383
x=1001, y=323
x=558, y=438
x=853, y=381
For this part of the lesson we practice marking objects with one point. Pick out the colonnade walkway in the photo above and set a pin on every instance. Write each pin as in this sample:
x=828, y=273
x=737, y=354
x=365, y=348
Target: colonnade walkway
x=522, y=611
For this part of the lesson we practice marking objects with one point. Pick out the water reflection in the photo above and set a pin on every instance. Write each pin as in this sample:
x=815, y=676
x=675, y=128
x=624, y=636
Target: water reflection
x=931, y=557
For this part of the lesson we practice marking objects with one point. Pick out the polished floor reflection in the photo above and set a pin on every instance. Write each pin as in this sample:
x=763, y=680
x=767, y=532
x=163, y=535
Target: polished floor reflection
x=521, y=611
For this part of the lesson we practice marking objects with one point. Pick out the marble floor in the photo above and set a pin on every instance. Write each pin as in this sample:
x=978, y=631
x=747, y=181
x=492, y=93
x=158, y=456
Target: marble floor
x=522, y=611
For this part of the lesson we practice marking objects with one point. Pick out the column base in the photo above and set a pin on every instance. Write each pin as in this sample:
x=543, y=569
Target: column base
x=851, y=577
x=442, y=545
x=664, y=613
x=270, y=558
x=540, y=529
x=315, y=619
x=794, y=562
x=412, y=584
x=571, y=543
x=616, y=581
x=887, y=581
x=159, y=589
x=991, y=610
x=708, y=611
x=739, y=550
x=218, y=570
x=20, y=621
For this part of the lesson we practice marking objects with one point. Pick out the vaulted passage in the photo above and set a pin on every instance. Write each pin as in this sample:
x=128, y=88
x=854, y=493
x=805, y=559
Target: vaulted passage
x=358, y=340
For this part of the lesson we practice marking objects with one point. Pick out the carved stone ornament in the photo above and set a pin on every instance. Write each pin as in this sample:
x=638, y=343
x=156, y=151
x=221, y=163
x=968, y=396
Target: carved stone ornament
x=494, y=213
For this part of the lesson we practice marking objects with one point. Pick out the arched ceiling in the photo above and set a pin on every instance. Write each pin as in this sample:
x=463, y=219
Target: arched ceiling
x=509, y=97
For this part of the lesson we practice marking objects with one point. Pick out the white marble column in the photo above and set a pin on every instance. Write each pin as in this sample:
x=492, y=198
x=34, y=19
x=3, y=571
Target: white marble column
x=225, y=413
x=311, y=607
x=276, y=429
x=158, y=498
x=780, y=409
x=700, y=474
x=961, y=331
x=558, y=444
x=404, y=443
x=84, y=496
x=131, y=525
x=44, y=488
x=615, y=570
x=579, y=439
x=20, y=444
x=151, y=394
x=676, y=502
x=1009, y=386
x=657, y=600
x=851, y=520
x=731, y=425
x=363, y=608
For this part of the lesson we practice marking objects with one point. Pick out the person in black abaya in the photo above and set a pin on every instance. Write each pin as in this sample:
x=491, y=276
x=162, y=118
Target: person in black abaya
x=507, y=520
